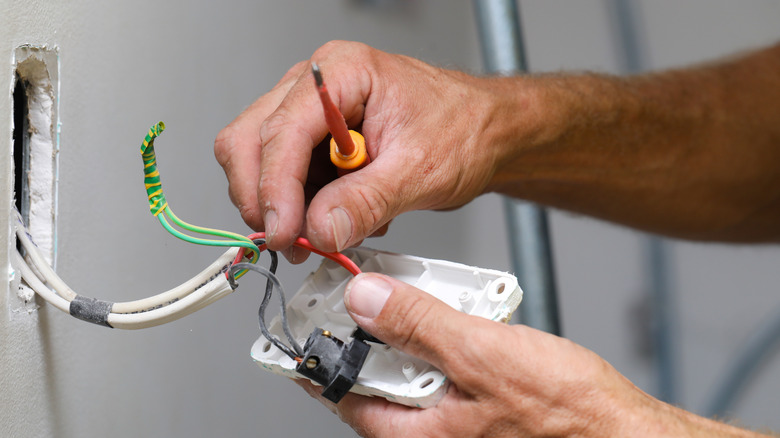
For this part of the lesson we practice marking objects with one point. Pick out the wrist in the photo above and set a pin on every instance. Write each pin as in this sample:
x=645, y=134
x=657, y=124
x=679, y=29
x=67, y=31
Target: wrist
x=530, y=116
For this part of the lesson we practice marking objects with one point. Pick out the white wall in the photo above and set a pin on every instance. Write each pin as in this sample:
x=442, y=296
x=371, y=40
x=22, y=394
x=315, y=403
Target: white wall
x=126, y=65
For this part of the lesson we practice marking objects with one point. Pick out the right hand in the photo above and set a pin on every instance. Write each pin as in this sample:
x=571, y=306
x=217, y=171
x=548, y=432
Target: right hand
x=427, y=132
x=506, y=380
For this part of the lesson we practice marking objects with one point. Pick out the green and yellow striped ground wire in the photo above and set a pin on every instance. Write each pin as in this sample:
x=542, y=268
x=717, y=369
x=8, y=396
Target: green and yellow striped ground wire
x=158, y=204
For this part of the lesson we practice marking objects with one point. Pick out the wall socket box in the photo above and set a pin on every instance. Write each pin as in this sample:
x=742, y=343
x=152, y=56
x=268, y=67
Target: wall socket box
x=35, y=150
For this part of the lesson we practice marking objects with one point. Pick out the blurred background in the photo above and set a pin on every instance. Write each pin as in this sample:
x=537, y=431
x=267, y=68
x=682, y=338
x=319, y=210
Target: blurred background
x=124, y=65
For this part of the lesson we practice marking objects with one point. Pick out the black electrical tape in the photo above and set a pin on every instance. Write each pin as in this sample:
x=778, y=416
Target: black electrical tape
x=91, y=310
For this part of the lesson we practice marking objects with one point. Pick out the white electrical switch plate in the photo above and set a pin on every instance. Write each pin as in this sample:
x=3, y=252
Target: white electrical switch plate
x=387, y=372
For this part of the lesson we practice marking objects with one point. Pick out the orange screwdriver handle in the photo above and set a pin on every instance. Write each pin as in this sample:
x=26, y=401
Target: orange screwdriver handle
x=357, y=159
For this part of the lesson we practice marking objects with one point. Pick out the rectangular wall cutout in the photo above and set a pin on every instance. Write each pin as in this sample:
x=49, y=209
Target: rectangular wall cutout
x=36, y=143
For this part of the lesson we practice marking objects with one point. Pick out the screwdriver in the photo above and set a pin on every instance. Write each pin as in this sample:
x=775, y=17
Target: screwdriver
x=347, y=147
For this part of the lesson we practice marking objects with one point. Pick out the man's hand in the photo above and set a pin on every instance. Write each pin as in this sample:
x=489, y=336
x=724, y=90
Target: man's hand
x=426, y=131
x=505, y=380
x=645, y=151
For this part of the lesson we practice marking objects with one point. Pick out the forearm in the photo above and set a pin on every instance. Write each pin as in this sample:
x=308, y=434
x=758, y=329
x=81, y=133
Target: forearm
x=658, y=419
x=690, y=153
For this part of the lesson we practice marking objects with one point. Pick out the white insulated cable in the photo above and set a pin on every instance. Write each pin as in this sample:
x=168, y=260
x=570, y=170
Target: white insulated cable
x=181, y=291
x=198, y=299
x=52, y=279
x=194, y=294
x=35, y=284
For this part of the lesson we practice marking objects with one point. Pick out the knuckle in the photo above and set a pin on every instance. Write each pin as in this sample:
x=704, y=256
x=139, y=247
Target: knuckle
x=412, y=324
x=250, y=214
x=297, y=69
x=352, y=49
x=363, y=51
x=266, y=186
x=272, y=126
x=329, y=48
x=280, y=122
x=472, y=364
x=293, y=73
x=376, y=202
x=223, y=145
x=470, y=372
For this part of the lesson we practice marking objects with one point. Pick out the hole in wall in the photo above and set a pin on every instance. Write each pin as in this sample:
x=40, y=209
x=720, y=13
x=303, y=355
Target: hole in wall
x=21, y=152
x=36, y=143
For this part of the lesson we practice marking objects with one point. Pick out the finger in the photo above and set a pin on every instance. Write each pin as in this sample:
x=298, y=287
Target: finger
x=239, y=156
x=295, y=254
x=361, y=203
x=237, y=148
x=413, y=321
x=288, y=136
x=381, y=231
x=369, y=416
x=377, y=417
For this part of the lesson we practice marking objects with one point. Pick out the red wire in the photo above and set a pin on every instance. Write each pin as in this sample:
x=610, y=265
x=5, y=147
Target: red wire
x=336, y=123
x=337, y=257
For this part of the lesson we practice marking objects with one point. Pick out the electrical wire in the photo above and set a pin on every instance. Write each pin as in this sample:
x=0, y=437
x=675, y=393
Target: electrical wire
x=198, y=299
x=203, y=289
x=57, y=284
x=301, y=242
x=199, y=241
x=179, y=292
x=272, y=281
x=159, y=204
x=35, y=284
x=40, y=263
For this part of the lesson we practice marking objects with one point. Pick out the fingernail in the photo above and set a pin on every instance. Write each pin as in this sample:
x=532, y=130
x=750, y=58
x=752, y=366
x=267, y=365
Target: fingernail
x=271, y=222
x=367, y=294
x=342, y=227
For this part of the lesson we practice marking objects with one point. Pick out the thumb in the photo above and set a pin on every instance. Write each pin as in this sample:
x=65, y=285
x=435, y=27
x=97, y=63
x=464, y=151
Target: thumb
x=406, y=318
x=358, y=204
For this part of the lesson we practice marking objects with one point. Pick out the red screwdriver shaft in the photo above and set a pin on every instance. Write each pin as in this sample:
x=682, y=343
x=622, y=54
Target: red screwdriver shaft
x=333, y=117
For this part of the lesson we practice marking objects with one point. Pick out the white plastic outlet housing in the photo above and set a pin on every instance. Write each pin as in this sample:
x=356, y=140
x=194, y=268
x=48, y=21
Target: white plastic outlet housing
x=388, y=372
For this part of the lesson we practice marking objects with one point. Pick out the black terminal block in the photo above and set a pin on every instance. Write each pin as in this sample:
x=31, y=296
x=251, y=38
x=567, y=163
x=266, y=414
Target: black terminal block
x=331, y=363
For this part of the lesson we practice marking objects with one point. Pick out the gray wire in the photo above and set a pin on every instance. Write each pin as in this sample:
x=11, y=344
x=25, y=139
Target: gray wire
x=273, y=280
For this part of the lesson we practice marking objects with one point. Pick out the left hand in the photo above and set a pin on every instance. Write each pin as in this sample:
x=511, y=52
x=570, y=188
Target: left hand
x=432, y=134
x=505, y=380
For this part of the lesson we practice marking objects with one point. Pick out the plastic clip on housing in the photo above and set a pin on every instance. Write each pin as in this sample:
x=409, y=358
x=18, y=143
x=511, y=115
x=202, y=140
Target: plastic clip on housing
x=331, y=363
